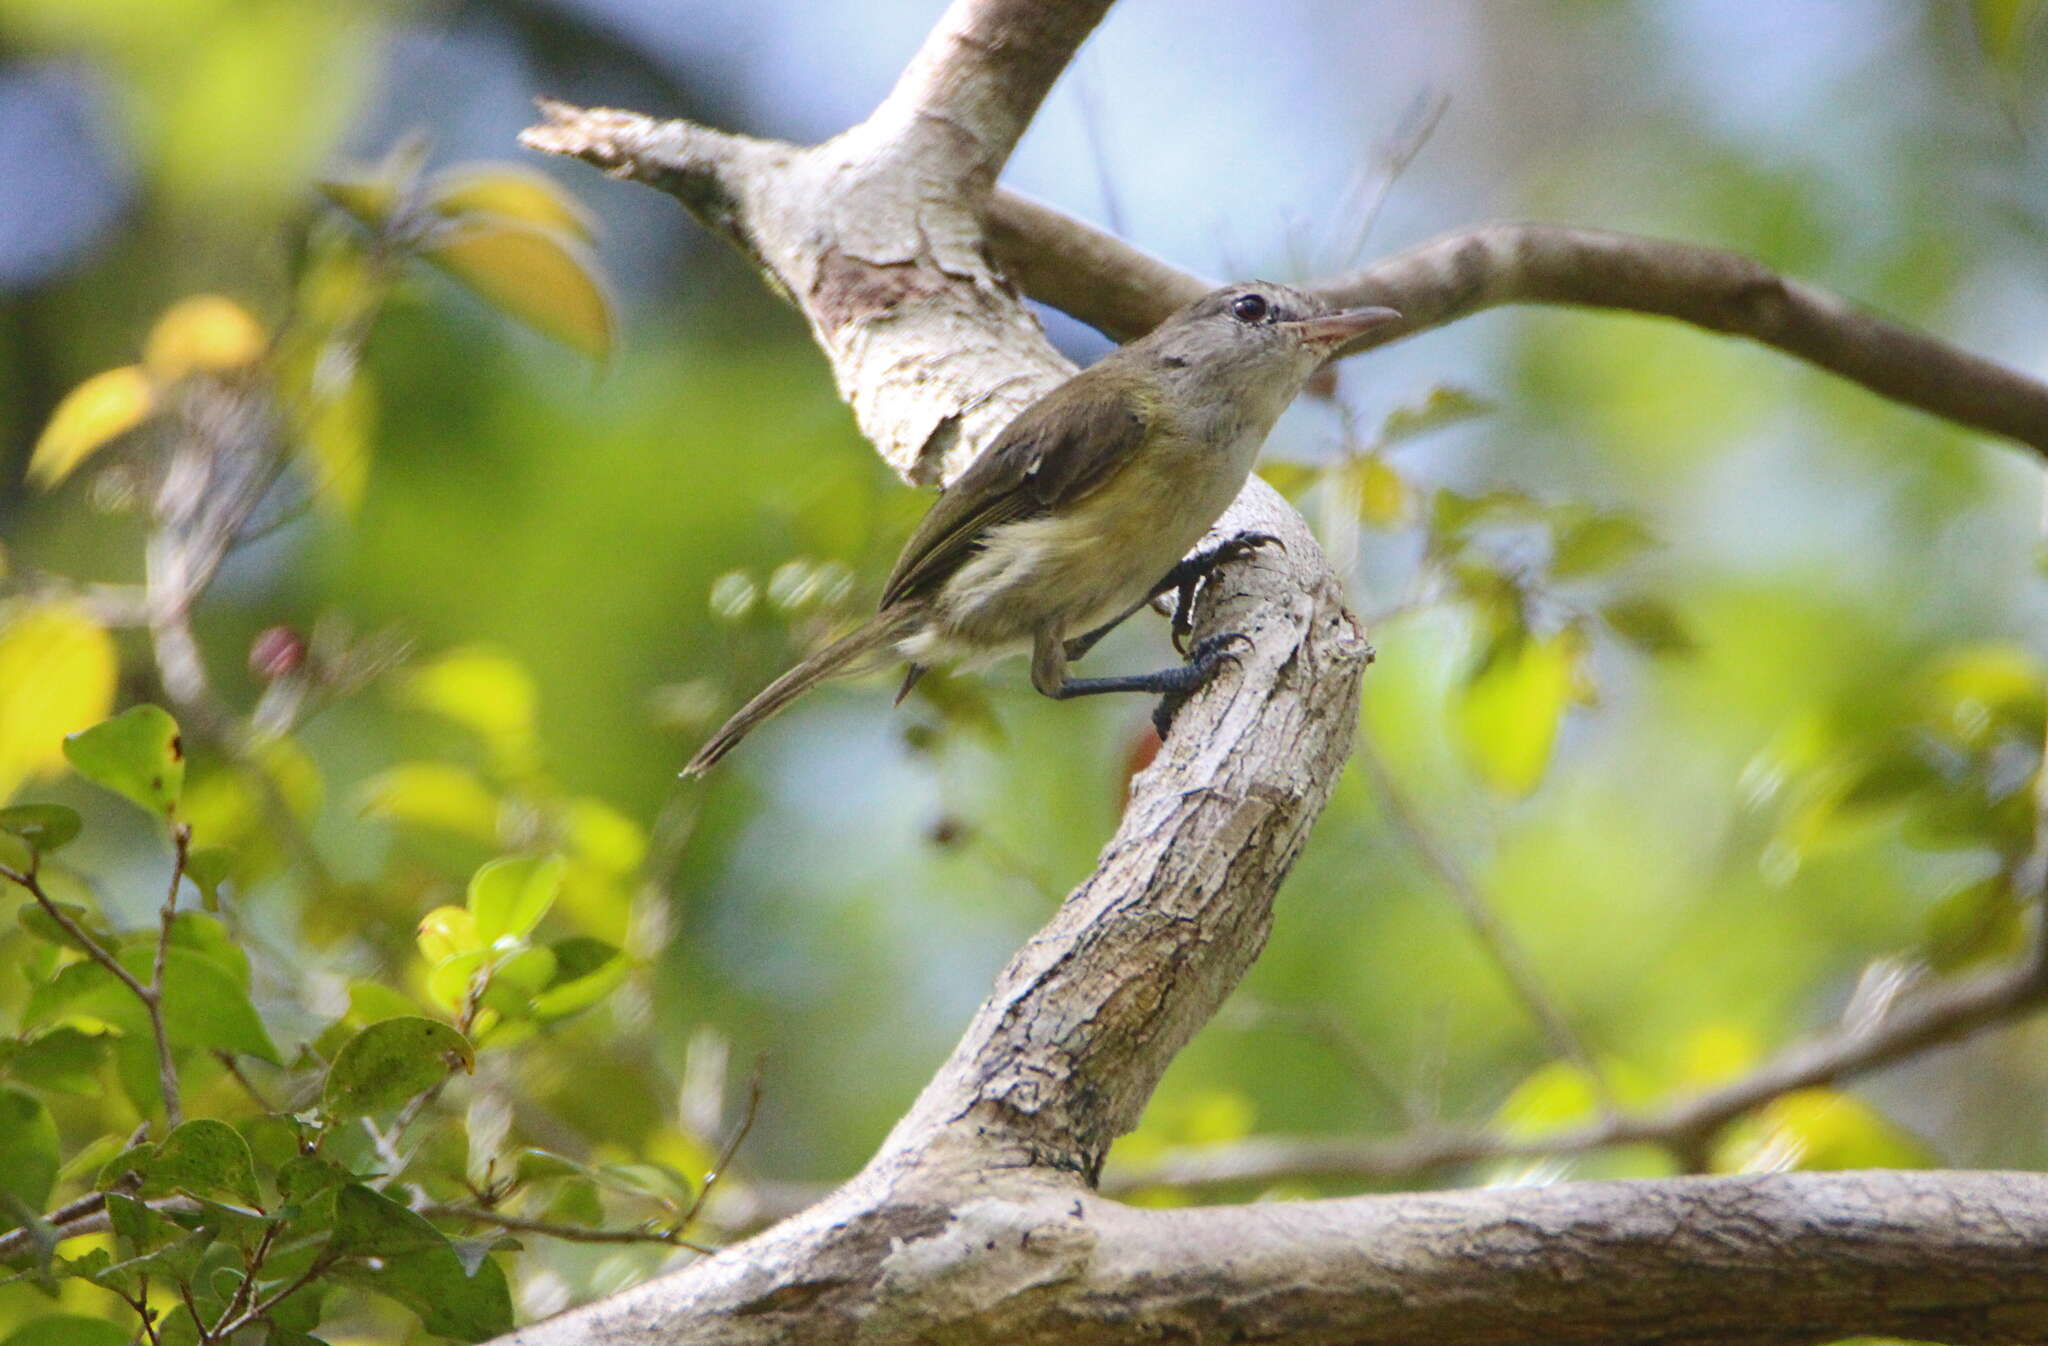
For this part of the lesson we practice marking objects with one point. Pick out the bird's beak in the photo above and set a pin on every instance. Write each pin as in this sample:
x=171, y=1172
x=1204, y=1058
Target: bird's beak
x=1333, y=330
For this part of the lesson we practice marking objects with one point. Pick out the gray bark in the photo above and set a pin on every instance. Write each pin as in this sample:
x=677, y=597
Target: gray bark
x=977, y=1219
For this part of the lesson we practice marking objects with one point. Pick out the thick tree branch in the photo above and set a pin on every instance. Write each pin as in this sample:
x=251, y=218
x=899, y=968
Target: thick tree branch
x=981, y=74
x=975, y=1221
x=1788, y=1258
x=1112, y=286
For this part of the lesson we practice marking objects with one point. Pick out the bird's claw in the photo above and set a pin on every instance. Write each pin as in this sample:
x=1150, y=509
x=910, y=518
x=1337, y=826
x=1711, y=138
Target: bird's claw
x=1205, y=661
x=1197, y=568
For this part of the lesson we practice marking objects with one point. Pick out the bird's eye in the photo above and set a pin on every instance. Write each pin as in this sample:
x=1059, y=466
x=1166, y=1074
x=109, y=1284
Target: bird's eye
x=1250, y=308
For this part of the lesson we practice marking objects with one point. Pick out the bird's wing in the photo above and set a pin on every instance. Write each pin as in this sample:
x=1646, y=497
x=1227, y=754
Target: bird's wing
x=1054, y=453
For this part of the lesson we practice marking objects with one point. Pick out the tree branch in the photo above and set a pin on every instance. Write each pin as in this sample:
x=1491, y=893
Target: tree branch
x=1941, y=1014
x=975, y=1221
x=1117, y=288
x=1510, y=959
x=980, y=75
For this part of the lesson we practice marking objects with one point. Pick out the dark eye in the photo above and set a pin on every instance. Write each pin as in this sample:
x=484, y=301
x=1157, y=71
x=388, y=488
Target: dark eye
x=1250, y=308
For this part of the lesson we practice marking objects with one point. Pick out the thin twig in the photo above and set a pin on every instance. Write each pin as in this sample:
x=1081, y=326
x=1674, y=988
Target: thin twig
x=1342, y=1039
x=1500, y=944
x=725, y=1155
x=150, y=996
x=260, y=1311
x=233, y=1065
x=567, y=1233
x=167, y=1070
x=1940, y=1014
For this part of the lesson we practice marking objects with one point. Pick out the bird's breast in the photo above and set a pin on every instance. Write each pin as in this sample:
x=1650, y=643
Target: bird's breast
x=1100, y=556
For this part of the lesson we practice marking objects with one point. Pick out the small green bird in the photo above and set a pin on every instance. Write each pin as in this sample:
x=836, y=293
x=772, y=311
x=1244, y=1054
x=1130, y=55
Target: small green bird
x=1083, y=509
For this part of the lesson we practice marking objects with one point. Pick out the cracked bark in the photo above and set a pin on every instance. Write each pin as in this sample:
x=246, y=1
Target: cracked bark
x=976, y=1219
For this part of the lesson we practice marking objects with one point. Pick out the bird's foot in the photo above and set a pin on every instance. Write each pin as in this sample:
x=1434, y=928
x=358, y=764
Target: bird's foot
x=1205, y=661
x=1189, y=574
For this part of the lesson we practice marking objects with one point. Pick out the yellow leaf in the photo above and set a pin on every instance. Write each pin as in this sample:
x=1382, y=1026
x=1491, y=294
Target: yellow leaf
x=439, y=795
x=484, y=690
x=335, y=438
x=368, y=198
x=1554, y=1096
x=231, y=805
x=1818, y=1129
x=96, y=411
x=1289, y=478
x=1716, y=1054
x=540, y=277
x=1380, y=494
x=445, y=932
x=57, y=671
x=2002, y=30
x=1510, y=714
x=510, y=193
x=206, y=334
x=603, y=837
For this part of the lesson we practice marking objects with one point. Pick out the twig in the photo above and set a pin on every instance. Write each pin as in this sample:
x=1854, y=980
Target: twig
x=1940, y=1014
x=565, y=1232
x=151, y=996
x=233, y=1066
x=1500, y=944
x=725, y=1155
x=258, y=1312
x=167, y=1070
x=1341, y=1038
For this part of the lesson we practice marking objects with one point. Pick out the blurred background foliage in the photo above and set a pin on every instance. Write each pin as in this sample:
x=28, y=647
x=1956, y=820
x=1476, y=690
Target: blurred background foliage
x=1720, y=682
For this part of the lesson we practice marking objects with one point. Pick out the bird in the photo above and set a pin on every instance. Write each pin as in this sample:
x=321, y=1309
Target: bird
x=1086, y=506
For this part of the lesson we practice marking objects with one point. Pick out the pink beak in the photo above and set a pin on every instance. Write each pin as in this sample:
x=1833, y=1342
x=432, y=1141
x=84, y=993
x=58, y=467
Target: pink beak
x=1333, y=330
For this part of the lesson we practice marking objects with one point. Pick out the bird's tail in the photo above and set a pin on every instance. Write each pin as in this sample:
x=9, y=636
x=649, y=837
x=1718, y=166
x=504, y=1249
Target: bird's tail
x=840, y=657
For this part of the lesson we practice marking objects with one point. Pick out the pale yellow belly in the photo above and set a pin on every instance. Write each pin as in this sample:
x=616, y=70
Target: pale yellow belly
x=1070, y=573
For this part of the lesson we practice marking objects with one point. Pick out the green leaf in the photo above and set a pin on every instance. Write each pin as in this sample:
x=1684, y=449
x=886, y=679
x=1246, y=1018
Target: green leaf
x=1508, y=716
x=372, y=1001
x=68, y=1329
x=28, y=1154
x=1649, y=624
x=1443, y=406
x=536, y=1165
x=487, y=692
x=545, y=279
x=63, y=1060
x=38, y=922
x=1983, y=920
x=2002, y=30
x=208, y=868
x=137, y=755
x=45, y=827
x=433, y=1285
x=203, y=1157
x=440, y=795
x=369, y=1224
x=306, y=1177
x=390, y=1062
x=206, y=936
x=659, y=1181
x=1596, y=543
x=508, y=897
x=415, y=1264
x=204, y=1005
x=586, y=971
